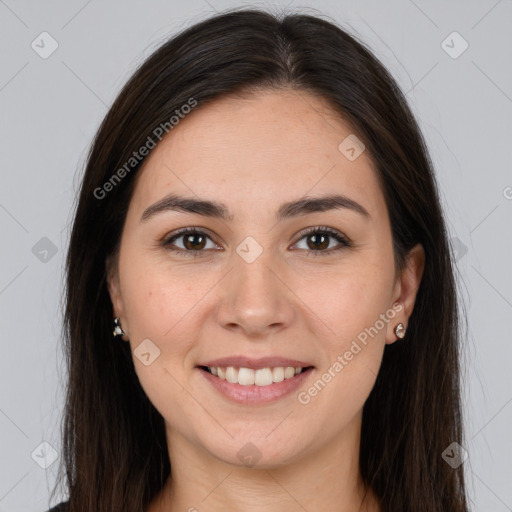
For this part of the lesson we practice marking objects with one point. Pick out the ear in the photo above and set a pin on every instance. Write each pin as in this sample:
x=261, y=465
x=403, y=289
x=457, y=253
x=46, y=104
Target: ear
x=114, y=291
x=406, y=289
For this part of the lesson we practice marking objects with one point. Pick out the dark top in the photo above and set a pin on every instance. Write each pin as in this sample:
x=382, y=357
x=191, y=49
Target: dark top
x=61, y=507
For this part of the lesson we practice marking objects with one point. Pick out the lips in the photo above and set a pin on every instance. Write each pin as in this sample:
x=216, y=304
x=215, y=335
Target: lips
x=260, y=389
x=247, y=380
x=255, y=364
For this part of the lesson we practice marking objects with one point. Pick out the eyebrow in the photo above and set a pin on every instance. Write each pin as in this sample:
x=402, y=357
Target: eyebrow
x=214, y=209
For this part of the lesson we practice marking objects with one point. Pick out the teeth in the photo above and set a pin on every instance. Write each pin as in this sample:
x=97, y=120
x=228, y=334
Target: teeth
x=263, y=377
x=289, y=372
x=246, y=377
x=278, y=374
x=260, y=377
x=232, y=374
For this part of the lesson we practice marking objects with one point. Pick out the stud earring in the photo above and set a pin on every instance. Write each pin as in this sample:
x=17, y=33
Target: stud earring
x=118, y=331
x=400, y=330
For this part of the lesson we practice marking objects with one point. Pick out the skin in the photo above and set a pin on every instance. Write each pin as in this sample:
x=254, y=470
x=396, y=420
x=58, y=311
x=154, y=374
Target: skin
x=253, y=154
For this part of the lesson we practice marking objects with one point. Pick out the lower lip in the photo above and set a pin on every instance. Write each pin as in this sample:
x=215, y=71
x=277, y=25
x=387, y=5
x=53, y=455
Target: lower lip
x=256, y=394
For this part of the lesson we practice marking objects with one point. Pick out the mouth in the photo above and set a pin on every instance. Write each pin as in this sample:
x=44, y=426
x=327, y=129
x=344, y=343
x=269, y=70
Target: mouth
x=255, y=376
x=255, y=386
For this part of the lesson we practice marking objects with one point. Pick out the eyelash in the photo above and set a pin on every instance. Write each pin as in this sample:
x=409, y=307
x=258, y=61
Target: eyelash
x=344, y=242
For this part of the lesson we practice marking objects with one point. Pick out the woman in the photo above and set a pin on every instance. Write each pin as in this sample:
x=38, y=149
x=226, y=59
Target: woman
x=261, y=309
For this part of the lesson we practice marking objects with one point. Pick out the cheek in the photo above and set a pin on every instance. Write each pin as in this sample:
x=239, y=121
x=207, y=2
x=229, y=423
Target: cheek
x=350, y=300
x=350, y=365
x=157, y=296
x=355, y=308
x=157, y=313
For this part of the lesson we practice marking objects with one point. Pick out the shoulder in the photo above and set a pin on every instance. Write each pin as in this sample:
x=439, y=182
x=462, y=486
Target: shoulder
x=61, y=507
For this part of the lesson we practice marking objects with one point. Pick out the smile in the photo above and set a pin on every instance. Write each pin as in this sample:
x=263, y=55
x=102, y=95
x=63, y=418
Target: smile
x=255, y=386
x=258, y=377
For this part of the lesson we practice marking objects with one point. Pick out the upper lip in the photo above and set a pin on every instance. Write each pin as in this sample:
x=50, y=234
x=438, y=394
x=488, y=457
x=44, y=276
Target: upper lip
x=248, y=362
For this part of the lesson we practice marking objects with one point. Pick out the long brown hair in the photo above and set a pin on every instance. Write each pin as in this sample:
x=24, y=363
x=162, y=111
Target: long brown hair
x=114, y=447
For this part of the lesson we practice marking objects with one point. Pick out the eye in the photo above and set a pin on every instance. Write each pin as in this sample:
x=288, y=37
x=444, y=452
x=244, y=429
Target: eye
x=193, y=240
x=319, y=241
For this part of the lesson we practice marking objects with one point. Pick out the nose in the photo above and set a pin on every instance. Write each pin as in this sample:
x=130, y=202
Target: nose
x=256, y=298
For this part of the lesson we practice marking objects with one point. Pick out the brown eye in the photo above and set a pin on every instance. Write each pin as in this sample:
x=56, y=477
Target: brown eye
x=319, y=239
x=192, y=242
x=318, y=242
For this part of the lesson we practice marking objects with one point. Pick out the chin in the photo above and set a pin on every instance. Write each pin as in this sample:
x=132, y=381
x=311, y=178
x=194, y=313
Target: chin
x=258, y=453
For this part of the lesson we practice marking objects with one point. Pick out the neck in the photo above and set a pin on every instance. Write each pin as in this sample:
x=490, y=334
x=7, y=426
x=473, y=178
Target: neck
x=325, y=479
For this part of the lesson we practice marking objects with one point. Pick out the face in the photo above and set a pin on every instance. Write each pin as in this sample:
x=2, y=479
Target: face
x=311, y=285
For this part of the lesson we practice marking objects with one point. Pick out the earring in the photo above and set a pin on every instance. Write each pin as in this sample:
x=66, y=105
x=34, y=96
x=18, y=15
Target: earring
x=400, y=330
x=118, y=331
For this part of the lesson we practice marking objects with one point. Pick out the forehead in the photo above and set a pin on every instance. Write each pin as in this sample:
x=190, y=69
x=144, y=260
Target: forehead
x=272, y=146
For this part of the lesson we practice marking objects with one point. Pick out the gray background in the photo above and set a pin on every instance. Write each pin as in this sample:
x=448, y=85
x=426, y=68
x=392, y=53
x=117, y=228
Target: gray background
x=52, y=107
